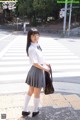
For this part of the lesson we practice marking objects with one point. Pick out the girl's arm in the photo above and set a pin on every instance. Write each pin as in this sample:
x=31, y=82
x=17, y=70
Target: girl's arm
x=41, y=67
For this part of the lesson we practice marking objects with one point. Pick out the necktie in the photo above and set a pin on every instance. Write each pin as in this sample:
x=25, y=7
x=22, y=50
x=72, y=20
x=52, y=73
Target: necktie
x=39, y=48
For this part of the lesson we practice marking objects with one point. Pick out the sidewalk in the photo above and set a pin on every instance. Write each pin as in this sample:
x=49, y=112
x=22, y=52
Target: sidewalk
x=56, y=106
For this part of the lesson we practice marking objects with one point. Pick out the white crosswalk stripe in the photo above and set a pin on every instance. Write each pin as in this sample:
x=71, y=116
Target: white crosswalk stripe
x=14, y=63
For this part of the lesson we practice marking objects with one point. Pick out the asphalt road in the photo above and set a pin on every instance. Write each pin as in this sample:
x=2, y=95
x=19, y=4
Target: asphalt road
x=64, y=57
x=62, y=54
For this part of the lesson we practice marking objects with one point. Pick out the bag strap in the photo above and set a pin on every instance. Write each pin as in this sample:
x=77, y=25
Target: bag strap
x=50, y=71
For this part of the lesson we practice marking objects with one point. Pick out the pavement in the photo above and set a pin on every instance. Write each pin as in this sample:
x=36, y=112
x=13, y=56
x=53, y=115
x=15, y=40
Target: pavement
x=56, y=106
x=64, y=104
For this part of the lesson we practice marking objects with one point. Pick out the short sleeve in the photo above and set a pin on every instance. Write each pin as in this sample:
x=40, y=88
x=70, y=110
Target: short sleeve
x=33, y=55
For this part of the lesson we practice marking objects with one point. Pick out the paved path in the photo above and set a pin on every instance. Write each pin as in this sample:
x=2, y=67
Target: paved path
x=52, y=107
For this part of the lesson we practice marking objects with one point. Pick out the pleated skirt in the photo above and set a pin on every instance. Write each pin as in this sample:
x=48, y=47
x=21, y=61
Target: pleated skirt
x=35, y=77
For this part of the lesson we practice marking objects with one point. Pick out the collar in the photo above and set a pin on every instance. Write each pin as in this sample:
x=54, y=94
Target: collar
x=34, y=44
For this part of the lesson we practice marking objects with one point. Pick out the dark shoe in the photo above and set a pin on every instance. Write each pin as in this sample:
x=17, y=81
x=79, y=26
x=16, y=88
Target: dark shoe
x=25, y=113
x=35, y=113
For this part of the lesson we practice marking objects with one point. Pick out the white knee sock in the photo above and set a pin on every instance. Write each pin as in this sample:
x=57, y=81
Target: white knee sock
x=36, y=104
x=27, y=99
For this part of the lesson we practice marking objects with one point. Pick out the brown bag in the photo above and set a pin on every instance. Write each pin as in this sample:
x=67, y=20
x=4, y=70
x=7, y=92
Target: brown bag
x=49, y=89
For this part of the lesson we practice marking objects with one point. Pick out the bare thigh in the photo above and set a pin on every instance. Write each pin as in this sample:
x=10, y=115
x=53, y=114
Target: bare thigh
x=30, y=90
x=37, y=92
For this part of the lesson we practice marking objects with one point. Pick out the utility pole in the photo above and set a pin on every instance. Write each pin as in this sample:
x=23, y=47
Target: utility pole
x=64, y=25
x=69, y=26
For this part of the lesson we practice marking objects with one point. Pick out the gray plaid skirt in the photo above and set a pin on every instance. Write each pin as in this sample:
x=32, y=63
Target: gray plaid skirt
x=35, y=77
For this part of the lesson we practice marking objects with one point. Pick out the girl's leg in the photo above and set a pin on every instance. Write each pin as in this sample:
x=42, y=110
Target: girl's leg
x=36, y=98
x=27, y=98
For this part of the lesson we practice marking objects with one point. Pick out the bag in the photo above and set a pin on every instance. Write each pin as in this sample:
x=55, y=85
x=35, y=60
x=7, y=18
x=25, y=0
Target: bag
x=49, y=89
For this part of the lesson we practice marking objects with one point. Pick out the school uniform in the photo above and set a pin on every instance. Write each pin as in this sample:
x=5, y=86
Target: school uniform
x=36, y=77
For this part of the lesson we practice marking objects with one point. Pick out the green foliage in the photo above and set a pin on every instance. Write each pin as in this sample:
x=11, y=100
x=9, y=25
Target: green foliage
x=0, y=4
x=34, y=9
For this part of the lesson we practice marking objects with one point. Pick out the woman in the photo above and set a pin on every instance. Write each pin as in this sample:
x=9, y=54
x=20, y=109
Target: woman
x=35, y=78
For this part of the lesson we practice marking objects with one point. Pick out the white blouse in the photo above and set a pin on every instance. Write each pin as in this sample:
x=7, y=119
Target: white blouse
x=35, y=54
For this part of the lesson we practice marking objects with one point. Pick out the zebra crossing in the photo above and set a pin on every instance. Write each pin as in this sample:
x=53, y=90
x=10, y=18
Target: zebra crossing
x=63, y=61
x=14, y=63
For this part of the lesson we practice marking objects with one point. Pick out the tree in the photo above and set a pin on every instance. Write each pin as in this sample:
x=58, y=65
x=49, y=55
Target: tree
x=34, y=9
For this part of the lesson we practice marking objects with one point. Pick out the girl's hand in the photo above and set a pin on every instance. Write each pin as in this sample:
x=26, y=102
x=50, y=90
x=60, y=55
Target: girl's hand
x=47, y=68
x=48, y=65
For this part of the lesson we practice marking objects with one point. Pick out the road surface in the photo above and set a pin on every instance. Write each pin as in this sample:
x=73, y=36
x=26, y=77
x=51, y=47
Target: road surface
x=14, y=63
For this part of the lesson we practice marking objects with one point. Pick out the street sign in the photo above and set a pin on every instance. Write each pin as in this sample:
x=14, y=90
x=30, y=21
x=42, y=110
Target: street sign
x=73, y=7
x=68, y=1
x=9, y=5
x=62, y=13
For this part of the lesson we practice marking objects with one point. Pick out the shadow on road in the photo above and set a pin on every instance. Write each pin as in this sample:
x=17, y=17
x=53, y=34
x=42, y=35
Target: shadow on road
x=68, y=79
x=50, y=113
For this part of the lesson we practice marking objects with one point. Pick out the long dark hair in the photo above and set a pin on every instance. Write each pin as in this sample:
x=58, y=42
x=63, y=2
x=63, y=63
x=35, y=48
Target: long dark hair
x=32, y=31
